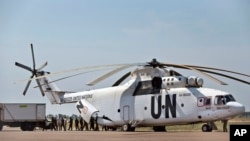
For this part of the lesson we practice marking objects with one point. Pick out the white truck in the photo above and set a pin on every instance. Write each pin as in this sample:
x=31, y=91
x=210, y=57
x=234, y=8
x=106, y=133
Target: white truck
x=27, y=116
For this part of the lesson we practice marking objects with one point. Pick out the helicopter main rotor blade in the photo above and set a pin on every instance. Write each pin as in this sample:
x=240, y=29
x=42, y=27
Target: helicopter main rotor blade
x=211, y=68
x=67, y=77
x=119, y=81
x=212, y=72
x=23, y=66
x=105, y=76
x=198, y=71
x=227, y=76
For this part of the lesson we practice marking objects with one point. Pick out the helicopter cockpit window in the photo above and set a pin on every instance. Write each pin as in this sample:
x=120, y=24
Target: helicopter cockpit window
x=219, y=100
x=223, y=99
x=229, y=98
x=143, y=87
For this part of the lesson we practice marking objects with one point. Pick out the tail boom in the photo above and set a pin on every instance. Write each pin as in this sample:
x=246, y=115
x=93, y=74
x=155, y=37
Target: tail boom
x=54, y=94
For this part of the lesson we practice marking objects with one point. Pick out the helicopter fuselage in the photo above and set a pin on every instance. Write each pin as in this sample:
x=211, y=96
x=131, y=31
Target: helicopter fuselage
x=116, y=106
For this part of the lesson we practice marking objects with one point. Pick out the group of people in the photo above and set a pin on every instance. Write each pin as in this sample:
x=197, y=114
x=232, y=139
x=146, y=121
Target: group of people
x=81, y=125
x=62, y=123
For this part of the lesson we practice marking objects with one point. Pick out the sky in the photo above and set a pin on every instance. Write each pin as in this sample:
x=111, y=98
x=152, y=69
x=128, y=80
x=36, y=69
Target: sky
x=75, y=33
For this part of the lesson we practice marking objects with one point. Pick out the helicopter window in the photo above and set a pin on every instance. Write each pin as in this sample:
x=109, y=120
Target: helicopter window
x=229, y=98
x=204, y=101
x=148, y=87
x=143, y=87
x=208, y=101
x=222, y=100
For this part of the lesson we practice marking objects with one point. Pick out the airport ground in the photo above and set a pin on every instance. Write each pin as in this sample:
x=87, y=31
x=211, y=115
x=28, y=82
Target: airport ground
x=14, y=134
x=174, y=133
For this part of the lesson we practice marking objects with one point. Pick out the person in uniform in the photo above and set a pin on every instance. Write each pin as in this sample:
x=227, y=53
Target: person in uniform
x=70, y=123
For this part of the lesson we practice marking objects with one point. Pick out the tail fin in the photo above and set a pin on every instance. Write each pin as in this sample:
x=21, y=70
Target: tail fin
x=49, y=89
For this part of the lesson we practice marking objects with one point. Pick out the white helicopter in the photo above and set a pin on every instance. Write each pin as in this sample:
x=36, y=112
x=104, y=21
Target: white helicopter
x=155, y=96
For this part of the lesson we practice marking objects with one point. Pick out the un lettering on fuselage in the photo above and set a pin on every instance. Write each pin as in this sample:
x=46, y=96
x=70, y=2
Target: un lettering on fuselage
x=169, y=106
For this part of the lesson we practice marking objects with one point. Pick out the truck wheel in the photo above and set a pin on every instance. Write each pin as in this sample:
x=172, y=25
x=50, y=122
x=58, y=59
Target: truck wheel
x=27, y=126
x=23, y=127
x=30, y=126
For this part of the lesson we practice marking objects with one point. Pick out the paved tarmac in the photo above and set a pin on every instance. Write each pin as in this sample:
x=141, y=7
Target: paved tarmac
x=39, y=135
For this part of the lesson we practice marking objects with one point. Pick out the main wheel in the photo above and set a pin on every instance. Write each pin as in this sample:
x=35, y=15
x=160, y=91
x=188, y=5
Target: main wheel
x=126, y=127
x=206, y=128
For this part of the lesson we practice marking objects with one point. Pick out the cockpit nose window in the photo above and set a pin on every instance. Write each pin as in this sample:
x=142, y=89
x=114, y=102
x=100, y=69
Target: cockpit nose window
x=229, y=98
x=223, y=99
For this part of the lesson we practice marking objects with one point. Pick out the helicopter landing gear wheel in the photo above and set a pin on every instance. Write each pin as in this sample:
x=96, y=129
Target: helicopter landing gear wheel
x=126, y=127
x=206, y=128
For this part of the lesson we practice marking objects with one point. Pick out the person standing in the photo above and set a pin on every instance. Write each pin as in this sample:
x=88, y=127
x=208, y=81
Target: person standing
x=81, y=123
x=92, y=123
x=77, y=124
x=70, y=123
x=59, y=122
x=63, y=124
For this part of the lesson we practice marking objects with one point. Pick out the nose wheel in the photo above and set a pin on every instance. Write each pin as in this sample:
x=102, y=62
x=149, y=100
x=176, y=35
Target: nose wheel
x=206, y=128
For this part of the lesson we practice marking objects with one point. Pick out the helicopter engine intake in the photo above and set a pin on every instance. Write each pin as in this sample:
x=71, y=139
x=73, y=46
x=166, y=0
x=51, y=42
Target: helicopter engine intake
x=194, y=81
x=181, y=81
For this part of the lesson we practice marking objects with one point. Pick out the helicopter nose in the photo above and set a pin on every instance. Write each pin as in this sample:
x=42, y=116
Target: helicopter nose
x=236, y=108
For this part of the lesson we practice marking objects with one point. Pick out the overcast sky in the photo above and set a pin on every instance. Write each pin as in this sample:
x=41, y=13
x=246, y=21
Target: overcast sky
x=74, y=33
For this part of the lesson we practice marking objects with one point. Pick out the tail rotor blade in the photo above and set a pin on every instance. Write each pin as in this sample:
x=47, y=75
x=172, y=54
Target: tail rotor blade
x=33, y=70
x=40, y=87
x=33, y=56
x=41, y=67
x=27, y=86
x=23, y=66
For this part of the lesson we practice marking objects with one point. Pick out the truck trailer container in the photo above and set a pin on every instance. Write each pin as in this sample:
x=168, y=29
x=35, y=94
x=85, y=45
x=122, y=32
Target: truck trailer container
x=27, y=116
